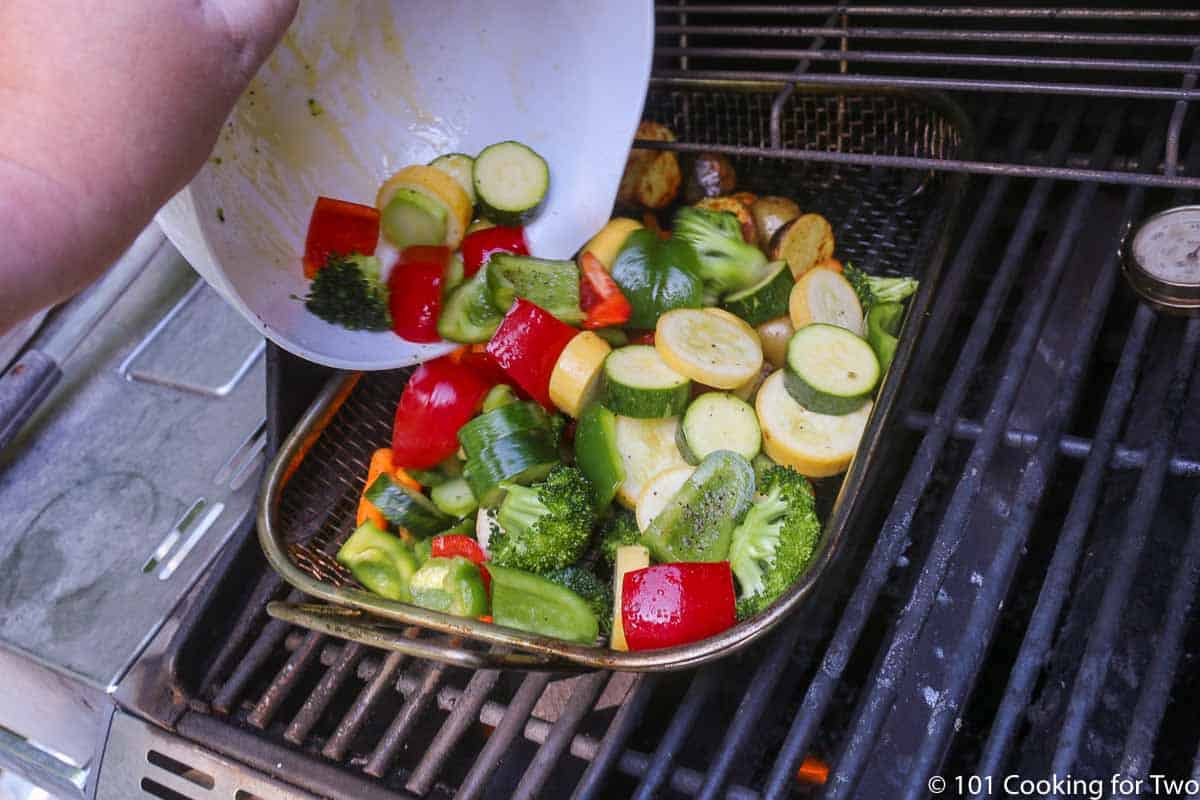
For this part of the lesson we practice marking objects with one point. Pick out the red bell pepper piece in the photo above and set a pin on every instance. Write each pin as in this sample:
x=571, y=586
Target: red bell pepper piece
x=526, y=346
x=664, y=605
x=438, y=399
x=415, y=292
x=450, y=545
x=479, y=246
x=341, y=227
x=600, y=297
x=646, y=337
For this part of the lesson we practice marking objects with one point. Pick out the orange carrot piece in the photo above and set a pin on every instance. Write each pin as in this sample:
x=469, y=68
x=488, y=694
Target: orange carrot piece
x=381, y=462
x=830, y=263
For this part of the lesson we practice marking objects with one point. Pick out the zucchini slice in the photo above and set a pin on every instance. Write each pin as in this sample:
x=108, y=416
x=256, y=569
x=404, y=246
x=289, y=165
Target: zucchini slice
x=815, y=445
x=506, y=420
x=576, y=375
x=658, y=492
x=766, y=299
x=437, y=188
x=830, y=370
x=412, y=218
x=518, y=458
x=709, y=346
x=823, y=295
x=454, y=498
x=647, y=447
x=460, y=167
x=511, y=182
x=638, y=383
x=719, y=421
x=405, y=508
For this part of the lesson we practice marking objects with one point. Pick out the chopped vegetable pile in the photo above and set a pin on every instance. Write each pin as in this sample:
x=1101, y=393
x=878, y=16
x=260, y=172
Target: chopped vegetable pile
x=622, y=447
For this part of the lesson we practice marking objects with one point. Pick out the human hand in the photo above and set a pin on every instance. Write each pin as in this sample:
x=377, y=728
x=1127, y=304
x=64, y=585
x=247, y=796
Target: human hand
x=107, y=110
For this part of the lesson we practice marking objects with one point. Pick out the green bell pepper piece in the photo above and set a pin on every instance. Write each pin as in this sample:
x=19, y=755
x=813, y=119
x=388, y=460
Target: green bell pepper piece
x=423, y=550
x=379, y=561
x=450, y=585
x=532, y=603
x=657, y=275
x=883, y=325
x=697, y=524
x=596, y=453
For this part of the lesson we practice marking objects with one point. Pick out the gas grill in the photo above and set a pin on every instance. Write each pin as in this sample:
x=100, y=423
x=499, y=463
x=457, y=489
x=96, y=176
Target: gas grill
x=1016, y=603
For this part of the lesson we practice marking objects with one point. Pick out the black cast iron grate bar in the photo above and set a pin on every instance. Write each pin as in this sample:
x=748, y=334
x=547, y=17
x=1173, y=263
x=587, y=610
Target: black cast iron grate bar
x=1157, y=682
x=1070, y=446
x=592, y=782
x=402, y=724
x=316, y=703
x=704, y=683
x=378, y=686
x=1094, y=666
x=754, y=701
x=267, y=587
x=882, y=692
x=516, y=713
x=1019, y=62
x=893, y=536
x=466, y=711
x=942, y=35
x=970, y=12
x=1055, y=587
x=583, y=696
x=289, y=675
x=1035, y=478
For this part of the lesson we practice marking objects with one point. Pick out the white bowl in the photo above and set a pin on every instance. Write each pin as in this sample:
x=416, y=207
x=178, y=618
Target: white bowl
x=398, y=83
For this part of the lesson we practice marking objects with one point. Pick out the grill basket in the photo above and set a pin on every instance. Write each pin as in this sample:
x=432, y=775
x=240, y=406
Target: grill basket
x=885, y=221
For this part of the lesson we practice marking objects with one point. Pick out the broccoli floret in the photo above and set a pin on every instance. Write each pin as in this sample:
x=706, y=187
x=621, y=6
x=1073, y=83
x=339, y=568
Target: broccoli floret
x=728, y=262
x=775, y=541
x=597, y=593
x=872, y=289
x=545, y=526
x=348, y=291
x=619, y=529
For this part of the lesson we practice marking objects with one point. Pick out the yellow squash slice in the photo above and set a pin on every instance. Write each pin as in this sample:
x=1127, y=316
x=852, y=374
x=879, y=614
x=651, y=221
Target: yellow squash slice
x=823, y=295
x=816, y=445
x=576, y=374
x=647, y=447
x=709, y=345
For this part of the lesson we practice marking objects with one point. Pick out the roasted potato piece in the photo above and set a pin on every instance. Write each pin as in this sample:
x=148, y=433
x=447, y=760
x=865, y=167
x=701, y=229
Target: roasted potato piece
x=652, y=177
x=710, y=175
x=772, y=213
x=775, y=335
x=745, y=198
x=802, y=243
x=738, y=209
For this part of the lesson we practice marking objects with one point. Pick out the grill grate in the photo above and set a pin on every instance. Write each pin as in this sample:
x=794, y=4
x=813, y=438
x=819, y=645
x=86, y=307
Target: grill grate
x=1017, y=612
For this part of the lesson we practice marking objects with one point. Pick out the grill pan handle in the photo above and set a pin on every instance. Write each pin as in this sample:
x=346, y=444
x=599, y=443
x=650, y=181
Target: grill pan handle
x=357, y=626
